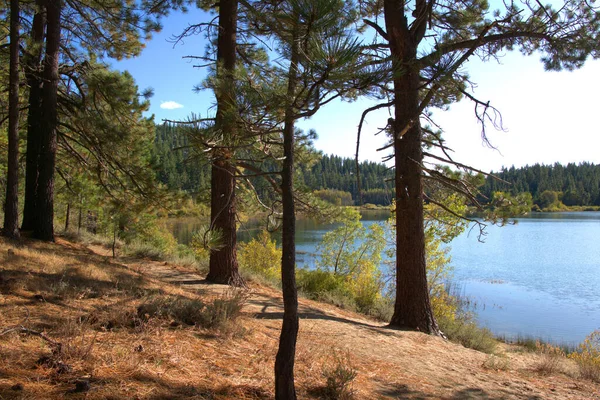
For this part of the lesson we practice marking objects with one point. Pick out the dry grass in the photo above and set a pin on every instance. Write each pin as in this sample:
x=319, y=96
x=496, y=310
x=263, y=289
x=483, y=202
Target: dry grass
x=89, y=306
x=70, y=321
x=551, y=358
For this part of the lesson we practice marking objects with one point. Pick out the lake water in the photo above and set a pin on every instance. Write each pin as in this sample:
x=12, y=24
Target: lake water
x=540, y=277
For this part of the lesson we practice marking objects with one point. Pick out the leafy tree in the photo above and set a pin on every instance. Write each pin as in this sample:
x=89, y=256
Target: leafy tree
x=425, y=45
x=354, y=253
x=548, y=198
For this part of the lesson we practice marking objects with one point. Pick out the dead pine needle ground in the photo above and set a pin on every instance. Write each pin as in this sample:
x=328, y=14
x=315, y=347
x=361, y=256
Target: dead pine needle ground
x=76, y=323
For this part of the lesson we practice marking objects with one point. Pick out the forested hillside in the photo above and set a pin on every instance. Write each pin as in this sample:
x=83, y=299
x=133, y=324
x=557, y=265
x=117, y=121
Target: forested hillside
x=338, y=173
x=573, y=184
x=175, y=165
x=332, y=177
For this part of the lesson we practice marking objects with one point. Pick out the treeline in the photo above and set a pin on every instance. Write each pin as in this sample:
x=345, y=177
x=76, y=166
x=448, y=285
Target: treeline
x=332, y=178
x=335, y=173
x=176, y=165
x=572, y=184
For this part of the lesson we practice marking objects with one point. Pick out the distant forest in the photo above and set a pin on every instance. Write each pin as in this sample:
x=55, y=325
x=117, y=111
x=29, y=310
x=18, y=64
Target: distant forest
x=571, y=184
x=333, y=178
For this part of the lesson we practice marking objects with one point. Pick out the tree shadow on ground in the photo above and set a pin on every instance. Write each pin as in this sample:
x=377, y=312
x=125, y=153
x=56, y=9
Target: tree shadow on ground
x=166, y=390
x=402, y=391
x=309, y=313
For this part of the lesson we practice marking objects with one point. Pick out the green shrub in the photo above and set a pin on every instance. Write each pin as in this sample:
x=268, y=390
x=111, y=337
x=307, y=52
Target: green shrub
x=463, y=330
x=315, y=283
x=339, y=378
x=141, y=249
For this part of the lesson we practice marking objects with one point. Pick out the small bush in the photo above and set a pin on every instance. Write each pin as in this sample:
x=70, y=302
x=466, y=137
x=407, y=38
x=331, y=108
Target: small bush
x=87, y=238
x=142, y=249
x=261, y=256
x=550, y=358
x=194, y=312
x=497, y=363
x=339, y=378
x=466, y=332
x=315, y=283
x=587, y=357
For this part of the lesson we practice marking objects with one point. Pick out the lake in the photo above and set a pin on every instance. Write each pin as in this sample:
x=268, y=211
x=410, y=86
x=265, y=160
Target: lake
x=539, y=277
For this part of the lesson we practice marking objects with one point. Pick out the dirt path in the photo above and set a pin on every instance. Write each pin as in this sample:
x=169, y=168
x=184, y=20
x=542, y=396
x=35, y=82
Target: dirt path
x=390, y=364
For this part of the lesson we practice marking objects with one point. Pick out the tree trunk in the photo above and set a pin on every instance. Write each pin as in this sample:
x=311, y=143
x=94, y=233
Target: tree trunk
x=284, y=362
x=223, y=266
x=11, y=203
x=44, y=228
x=34, y=118
x=412, y=309
x=68, y=217
x=79, y=219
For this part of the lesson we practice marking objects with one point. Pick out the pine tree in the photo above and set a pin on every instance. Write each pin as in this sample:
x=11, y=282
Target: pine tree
x=11, y=202
x=427, y=74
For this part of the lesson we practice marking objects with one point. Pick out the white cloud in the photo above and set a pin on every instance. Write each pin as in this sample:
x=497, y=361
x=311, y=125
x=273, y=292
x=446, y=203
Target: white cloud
x=170, y=105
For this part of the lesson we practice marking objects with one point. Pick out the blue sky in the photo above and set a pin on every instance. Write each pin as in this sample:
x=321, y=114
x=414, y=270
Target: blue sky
x=548, y=116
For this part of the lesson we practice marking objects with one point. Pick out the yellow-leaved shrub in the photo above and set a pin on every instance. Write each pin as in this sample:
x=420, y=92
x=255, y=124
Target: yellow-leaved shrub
x=587, y=357
x=261, y=255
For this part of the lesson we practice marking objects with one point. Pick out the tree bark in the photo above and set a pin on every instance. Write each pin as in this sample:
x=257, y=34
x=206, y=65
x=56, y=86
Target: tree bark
x=44, y=228
x=11, y=203
x=412, y=308
x=79, y=219
x=34, y=118
x=67, y=217
x=284, y=361
x=223, y=265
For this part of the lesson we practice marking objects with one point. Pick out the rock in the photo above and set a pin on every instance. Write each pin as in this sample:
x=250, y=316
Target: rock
x=82, y=385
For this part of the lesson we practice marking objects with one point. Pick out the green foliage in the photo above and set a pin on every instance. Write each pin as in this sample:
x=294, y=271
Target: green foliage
x=205, y=240
x=549, y=199
x=339, y=174
x=339, y=377
x=316, y=283
x=177, y=164
x=335, y=197
x=463, y=330
x=573, y=184
x=353, y=253
x=504, y=206
x=261, y=255
x=587, y=357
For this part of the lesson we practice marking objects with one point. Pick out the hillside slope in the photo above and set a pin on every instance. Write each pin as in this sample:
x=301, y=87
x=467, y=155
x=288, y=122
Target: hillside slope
x=88, y=302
